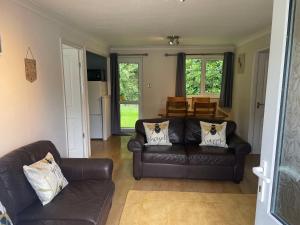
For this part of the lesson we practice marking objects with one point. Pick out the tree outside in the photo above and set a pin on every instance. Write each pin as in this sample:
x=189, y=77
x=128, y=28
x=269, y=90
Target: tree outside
x=193, y=76
x=129, y=94
x=213, y=76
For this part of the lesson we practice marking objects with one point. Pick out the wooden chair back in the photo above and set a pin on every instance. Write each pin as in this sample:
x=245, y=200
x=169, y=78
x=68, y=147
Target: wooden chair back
x=205, y=109
x=176, y=99
x=176, y=108
x=200, y=99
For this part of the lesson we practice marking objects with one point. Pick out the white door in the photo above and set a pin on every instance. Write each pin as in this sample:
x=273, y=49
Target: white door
x=278, y=200
x=261, y=74
x=73, y=101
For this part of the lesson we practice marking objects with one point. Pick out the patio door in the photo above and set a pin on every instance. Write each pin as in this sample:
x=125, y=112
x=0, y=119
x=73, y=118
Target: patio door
x=278, y=199
x=130, y=91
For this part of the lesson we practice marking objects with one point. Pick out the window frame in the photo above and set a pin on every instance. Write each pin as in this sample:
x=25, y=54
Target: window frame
x=204, y=59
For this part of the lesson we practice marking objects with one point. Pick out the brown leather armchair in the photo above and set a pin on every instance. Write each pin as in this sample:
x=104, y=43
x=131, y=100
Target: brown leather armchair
x=86, y=200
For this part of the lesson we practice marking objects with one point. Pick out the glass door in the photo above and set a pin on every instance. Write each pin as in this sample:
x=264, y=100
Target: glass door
x=278, y=200
x=130, y=93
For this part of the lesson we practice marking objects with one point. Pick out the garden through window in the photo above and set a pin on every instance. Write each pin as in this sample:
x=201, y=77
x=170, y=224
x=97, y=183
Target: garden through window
x=203, y=76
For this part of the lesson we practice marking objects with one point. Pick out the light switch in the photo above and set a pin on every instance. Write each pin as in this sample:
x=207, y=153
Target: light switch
x=149, y=85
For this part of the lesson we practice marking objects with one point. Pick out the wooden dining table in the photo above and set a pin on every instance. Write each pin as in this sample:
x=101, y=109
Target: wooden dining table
x=220, y=114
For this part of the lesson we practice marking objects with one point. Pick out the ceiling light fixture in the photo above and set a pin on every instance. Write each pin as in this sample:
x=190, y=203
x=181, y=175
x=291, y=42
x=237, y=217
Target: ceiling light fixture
x=173, y=40
x=182, y=0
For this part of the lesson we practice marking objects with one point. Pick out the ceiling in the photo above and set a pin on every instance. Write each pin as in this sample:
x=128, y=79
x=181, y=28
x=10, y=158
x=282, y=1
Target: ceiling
x=148, y=22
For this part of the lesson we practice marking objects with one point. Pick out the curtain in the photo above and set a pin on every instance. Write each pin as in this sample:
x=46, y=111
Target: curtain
x=115, y=94
x=180, y=75
x=227, y=80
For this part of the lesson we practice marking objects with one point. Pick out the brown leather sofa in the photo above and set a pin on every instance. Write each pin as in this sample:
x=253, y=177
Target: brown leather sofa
x=185, y=158
x=86, y=200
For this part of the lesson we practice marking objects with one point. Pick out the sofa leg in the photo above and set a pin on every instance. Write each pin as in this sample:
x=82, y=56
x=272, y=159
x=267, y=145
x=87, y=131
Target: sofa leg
x=137, y=178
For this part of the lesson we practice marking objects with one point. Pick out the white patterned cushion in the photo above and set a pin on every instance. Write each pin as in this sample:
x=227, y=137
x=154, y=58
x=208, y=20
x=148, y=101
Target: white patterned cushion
x=213, y=134
x=4, y=218
x=45, y=178
x=157, y=133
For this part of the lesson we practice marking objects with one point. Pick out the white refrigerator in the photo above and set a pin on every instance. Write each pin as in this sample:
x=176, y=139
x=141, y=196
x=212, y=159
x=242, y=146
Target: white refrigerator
x=97, y=91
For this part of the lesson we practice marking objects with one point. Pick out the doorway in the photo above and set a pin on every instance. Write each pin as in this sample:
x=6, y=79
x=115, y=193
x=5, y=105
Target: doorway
x=130, y=92
x=261, y=72
x=73, y=79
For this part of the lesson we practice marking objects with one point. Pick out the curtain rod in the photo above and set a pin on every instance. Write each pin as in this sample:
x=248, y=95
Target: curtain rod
x=195, y=54
x=142, y=54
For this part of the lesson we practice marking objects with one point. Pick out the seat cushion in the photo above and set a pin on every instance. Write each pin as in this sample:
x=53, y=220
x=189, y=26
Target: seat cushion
x=174, y=154
x=81, y=202
x=209, y=155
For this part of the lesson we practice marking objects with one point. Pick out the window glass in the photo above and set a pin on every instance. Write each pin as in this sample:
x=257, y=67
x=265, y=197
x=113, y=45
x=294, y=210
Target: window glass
x=213, y=77
x=193, y=76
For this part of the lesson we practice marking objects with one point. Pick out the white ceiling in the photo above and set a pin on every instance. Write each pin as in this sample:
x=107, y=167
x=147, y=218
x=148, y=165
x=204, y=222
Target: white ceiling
x=148, y=22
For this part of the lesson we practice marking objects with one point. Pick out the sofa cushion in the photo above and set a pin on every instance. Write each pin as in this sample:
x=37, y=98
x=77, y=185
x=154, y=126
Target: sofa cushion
x=81, y=202
x=15, y=191
x=193, y=129
x=209, y=155
x=165, y=154
x=176, y=128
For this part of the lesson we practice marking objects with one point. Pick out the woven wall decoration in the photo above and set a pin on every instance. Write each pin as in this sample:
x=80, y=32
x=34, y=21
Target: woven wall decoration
x=30, y=67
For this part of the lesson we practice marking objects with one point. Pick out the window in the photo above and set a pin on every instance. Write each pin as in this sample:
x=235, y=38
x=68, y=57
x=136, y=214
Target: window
x=204, y=76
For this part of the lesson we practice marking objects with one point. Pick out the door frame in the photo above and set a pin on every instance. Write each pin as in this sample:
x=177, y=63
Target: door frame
x=84, y=96
x=277, y=66
x=139, y=60
x=254, y=93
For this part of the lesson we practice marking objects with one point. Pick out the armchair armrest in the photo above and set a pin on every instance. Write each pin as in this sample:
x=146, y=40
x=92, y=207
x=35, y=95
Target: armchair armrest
x=239, y=146
x=84, y=169
x=136, y=143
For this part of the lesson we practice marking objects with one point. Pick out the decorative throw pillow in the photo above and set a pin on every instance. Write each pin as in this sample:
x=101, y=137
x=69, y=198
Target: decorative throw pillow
x=157, y=133
x=4, y=218
x=45, y=178
x=213, y=134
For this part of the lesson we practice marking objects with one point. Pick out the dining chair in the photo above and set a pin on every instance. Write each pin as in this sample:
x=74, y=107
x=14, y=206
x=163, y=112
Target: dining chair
x=176, y=99
x=176, y=108
x=200, y=99
x=205, y=109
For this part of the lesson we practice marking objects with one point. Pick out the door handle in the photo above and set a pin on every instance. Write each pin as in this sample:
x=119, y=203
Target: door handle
x=258, y=104
x=261, y=173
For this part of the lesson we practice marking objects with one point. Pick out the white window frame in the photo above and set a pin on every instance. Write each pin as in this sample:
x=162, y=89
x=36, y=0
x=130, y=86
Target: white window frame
x=204, y=59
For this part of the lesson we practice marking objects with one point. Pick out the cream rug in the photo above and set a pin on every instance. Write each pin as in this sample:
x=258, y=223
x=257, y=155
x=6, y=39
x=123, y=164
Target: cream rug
x=188, y=208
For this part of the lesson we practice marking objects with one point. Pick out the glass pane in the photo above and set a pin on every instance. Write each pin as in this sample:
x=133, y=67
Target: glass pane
x=193, y=76
x=129, y=94
x=286, y=193
x=213, y=79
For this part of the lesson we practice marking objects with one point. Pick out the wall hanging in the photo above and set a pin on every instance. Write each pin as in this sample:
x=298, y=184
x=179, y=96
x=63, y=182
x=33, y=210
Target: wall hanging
x=241, y=63
x=30, y=67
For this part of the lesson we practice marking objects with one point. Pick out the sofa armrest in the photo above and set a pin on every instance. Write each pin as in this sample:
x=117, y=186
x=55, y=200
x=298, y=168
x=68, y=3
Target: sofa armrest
x=136, y=143
x=239, y=146
x=84, y=169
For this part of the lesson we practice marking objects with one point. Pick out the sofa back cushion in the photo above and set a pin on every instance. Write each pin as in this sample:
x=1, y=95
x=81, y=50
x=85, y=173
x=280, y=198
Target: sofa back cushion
x=16, y=193
x=193, y=129
x=176, y=128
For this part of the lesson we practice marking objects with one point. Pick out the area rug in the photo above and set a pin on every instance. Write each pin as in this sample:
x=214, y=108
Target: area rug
x=188, y=208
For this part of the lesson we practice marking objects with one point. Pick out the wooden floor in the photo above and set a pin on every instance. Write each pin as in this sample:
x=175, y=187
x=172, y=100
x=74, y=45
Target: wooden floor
x=116, y=149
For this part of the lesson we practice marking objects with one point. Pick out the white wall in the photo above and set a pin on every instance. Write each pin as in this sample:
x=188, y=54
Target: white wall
x=243, y=83
x=160, y=72
x=33, y=111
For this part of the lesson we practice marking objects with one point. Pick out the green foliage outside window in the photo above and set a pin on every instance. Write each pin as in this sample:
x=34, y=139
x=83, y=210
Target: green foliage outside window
x=129, y=84
x=213, y=77
x=193, y=76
